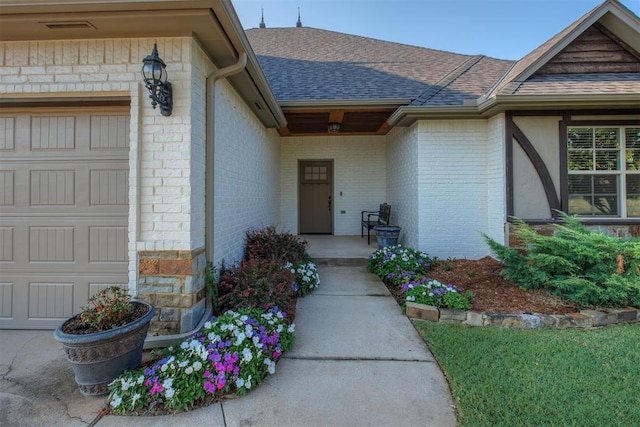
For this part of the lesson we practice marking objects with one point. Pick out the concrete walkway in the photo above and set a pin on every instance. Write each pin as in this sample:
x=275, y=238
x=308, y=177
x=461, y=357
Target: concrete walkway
x=357, y=361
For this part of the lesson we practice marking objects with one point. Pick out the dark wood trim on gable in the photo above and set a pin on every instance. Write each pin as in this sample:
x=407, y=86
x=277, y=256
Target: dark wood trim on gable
x=564, y=172
x=508, y=149
x=540, y=167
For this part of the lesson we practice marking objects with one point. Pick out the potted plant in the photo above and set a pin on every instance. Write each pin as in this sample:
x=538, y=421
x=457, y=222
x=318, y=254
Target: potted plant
x=105, y=339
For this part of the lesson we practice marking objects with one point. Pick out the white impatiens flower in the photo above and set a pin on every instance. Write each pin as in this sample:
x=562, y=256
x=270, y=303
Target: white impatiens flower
x=240, y=338
x=169, y=393
x=247, y=355
x=116, y=401
x=189, y=370
x=291, y=328
x=140, y=379
x=208, y=324
x=239, y=383
x=197, y=366
x=183, y=363
x=248, y=331
x=271, y=366
x=168, y=383
x=134, y=399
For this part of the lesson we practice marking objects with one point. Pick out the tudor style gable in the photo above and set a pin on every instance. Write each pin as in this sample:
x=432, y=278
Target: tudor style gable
x=596, y=50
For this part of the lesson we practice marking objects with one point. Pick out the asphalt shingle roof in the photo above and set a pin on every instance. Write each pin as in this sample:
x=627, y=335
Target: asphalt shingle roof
x=304, y=63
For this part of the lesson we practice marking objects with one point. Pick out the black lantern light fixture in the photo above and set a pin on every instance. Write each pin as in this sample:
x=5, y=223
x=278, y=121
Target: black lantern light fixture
x=154, y=74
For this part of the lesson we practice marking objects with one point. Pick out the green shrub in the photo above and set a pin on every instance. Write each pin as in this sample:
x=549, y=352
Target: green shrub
x=587, y=267
x=267, y=243
x=256, y=283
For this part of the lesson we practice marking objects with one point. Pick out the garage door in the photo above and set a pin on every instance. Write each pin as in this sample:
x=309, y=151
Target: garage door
x=63, y=211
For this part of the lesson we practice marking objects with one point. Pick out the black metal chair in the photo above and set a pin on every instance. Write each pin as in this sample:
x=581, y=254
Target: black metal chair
x=373, y=218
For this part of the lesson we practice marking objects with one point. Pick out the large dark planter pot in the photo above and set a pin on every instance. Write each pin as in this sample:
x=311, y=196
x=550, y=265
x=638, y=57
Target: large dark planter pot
x=98, y=358
x=387, y=235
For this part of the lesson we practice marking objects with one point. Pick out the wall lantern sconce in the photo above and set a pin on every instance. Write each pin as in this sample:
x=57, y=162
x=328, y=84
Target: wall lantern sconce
x=154, y=74
x=334, y=127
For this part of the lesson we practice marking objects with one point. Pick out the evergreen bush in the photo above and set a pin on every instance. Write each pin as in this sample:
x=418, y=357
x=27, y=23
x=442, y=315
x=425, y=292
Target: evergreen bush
x=587, y=267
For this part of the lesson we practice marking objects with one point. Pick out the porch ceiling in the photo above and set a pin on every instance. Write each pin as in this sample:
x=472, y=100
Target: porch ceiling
x=353, y=121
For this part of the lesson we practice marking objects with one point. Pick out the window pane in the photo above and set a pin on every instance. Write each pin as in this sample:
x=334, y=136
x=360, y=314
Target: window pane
x=633, y=195
x=607, y=138
x=593, y=195
x=579, y=138
x=632, y=139
x=580, y=160
x=607, y=160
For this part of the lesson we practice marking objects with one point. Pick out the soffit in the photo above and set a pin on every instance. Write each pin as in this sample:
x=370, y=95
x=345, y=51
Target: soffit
x=353, y=121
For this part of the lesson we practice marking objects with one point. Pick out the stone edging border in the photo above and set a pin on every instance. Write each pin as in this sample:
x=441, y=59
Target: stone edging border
x=585, y=319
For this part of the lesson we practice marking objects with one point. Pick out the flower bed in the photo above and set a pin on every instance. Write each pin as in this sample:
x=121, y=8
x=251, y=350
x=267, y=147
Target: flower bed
x=408, y=269
x=236, y=350
x=231, y=354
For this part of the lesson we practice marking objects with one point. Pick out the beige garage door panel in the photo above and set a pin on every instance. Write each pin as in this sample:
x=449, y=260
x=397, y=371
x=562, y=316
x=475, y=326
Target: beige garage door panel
x=63, y=212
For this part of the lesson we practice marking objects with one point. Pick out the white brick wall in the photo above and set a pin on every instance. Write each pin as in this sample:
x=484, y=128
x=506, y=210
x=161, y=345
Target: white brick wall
x=359, y=173
x=496, y=179
x=453, y=187
x=402, y=183
x=246, y=174
x=166, y=190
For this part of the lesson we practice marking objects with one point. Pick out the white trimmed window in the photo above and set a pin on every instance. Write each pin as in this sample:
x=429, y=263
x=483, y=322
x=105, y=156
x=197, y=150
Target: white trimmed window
x=604, y=171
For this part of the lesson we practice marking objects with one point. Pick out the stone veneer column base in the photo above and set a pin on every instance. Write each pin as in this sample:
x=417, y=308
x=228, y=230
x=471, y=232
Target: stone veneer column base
x=174, y=283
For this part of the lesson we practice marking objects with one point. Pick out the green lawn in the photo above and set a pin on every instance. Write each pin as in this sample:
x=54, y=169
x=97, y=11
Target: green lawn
x=548, y=377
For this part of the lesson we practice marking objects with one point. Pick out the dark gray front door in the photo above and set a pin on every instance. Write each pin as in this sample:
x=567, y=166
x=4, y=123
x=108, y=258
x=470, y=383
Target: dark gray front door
x=316, y=204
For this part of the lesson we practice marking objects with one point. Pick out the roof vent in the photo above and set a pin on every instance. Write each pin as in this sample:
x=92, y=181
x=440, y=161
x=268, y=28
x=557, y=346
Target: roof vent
x=69, y=25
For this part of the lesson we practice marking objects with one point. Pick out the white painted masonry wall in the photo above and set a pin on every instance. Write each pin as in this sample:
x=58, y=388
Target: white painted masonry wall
x=359, y=175
x=246, y=174
x=496, y=180
x=402, y=183
x=458, y=174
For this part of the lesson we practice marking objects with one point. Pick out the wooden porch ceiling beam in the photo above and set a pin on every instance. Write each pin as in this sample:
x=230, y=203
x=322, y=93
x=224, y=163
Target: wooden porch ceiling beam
x=336, y=116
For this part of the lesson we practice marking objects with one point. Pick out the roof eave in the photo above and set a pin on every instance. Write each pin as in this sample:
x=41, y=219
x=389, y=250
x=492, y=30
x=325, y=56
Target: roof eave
x=502, y=103
x=407, y=115
x=343, y=103
x=213, y=23
x=238, y=38
x=483, y=108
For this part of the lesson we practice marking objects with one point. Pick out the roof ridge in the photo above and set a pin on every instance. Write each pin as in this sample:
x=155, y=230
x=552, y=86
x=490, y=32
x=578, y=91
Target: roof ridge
x=373, y=39
x=425, y=96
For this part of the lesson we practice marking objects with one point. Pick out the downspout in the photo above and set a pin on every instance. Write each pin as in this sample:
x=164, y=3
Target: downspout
x=166, y=340
x=211, y=83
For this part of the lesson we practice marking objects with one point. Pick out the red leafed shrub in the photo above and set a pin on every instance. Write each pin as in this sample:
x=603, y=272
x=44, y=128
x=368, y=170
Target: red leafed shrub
x=256, y=283
x=267, y=243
